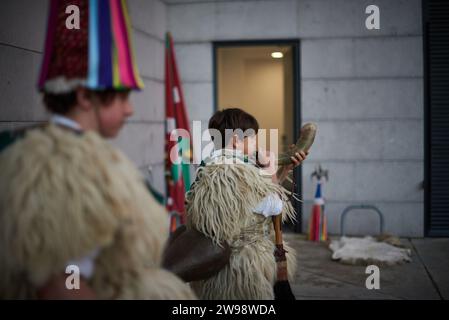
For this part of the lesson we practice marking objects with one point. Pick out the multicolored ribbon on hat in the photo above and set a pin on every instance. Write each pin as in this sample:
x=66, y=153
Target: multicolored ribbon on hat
x=98, y=56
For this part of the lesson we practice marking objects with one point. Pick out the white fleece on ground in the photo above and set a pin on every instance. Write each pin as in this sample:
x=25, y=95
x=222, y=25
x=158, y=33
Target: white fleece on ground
x=367, y=250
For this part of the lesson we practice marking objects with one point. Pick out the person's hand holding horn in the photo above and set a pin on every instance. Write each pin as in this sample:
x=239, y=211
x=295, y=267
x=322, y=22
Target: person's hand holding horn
x=296, y=155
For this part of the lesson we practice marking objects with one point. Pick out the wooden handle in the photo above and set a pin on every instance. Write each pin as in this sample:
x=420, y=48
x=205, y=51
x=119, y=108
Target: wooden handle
x=277, y=221
x=279, y=253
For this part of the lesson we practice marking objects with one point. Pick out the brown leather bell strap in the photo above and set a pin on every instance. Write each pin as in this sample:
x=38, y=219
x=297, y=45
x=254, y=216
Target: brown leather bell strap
x=279, y=253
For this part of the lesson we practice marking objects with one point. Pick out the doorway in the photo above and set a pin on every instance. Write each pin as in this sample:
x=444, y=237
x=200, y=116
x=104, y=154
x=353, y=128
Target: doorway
x=261, y=77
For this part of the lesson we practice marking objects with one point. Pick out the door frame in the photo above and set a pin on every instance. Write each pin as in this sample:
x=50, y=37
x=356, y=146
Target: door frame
x=296, y=46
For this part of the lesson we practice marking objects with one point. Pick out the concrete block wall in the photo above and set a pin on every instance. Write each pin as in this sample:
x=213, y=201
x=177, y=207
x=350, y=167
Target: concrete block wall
x=363, y=88
x=22, y=35
x=143, y=137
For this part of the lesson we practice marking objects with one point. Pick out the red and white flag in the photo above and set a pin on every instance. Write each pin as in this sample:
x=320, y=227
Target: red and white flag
x=177, y=153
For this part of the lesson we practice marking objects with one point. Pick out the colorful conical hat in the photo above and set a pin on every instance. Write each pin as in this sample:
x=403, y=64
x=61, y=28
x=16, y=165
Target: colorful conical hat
x=98, y=55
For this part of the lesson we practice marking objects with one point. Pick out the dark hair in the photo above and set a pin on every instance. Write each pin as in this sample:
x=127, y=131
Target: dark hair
x=63, y=103
x=232, y=118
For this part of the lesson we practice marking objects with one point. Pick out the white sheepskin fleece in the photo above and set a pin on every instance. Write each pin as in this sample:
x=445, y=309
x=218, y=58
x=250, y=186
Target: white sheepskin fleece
x=368, y=250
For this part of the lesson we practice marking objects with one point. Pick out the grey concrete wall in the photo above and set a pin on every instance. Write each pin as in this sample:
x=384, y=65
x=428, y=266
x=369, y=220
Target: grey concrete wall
x=143, y=137
x=22, y=34
x=363, y=88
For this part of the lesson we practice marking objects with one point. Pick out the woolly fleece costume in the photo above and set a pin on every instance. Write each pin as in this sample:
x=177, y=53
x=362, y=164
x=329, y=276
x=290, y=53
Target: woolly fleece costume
x=220, y=204
x=64, y=195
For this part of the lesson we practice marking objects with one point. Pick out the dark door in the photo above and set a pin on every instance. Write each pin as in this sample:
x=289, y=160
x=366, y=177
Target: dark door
x=436, y=76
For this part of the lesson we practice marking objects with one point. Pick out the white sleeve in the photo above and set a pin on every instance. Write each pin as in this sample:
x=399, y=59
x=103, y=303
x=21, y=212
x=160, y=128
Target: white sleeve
x=271, y=205
x=86, y=264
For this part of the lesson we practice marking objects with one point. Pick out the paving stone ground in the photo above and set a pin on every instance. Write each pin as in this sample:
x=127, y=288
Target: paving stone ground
x=318, y=277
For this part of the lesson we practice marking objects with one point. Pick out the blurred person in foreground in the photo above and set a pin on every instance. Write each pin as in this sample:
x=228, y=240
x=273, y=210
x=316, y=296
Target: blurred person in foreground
x=67, y=197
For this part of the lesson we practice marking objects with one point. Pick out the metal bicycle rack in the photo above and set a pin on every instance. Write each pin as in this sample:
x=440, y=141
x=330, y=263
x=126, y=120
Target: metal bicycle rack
x=365, y=207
